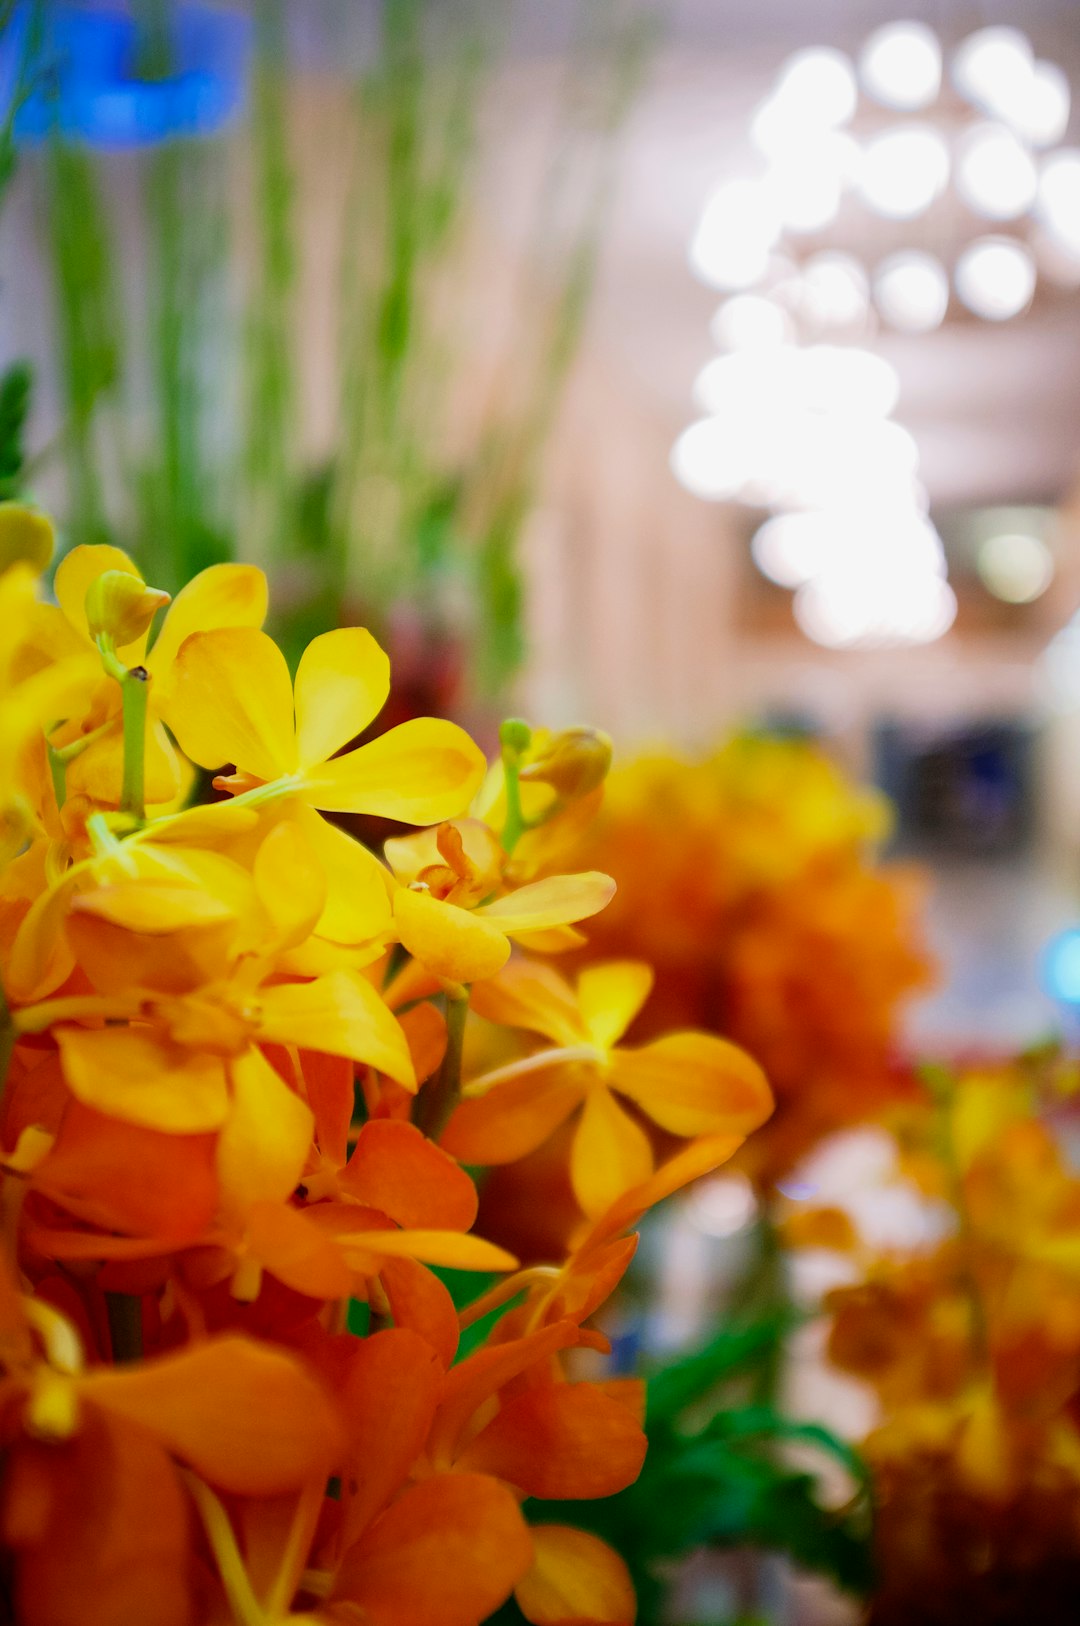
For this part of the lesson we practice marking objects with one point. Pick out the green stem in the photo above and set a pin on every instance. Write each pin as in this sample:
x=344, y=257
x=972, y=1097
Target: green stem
x=7, y=1041
x=124, y=1311
x=438, y=1100
x=135, y=688
x=515, y=738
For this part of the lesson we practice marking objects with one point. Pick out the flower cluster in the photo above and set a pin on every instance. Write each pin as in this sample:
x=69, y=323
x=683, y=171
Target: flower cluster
x=971, y=1342
x=747, y=880
x=235, y=1042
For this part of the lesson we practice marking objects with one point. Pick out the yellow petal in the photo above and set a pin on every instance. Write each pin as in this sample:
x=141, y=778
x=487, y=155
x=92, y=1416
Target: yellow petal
x=127, y=1072
x=266, y=1138
x=694, y=1084
x=610, y=996
x=357, y=908
x=408, y=855
x=610, y=1152
x=451, y=1249
x=232, y=702
x=341, y=685
x=98, y=772
x=451, y=942
x=75, y=573
x=419, y=772
x=575, y=1577
x=153, y=907
x=222, y=596
x=26, y=537
x=527, y=994
x=290, y=884
x=341, y=1015
x=556, y=901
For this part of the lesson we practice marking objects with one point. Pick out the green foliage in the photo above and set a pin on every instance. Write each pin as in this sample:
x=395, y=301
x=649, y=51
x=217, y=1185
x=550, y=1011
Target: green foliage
x=15, y=386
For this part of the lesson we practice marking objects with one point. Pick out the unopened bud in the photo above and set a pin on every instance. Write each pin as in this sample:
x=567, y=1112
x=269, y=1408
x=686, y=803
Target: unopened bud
x=515, y=735
x=26, y=536
x=121, y=606
x=575, y=763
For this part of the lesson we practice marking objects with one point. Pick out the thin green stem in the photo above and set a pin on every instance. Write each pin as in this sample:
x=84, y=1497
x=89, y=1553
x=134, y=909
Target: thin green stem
x=7, y=1041
x=439, y=1098
x=135, y=688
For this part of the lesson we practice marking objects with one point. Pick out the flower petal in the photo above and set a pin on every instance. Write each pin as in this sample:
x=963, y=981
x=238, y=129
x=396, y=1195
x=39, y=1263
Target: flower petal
x=341, y=685
x=395, y=1169
x=446, y=1554
x=527, y=994
x=556, y=901
x=514, y=1118
x=76, y=572
x=701, y=1157
x=420, y=1301
x=341, y=1014
x=610, y=996
x=575, y=1577
x=129, y=1073
x=388, y=1401
x=357, y=908
x=232, y=702
x=450, y=1249
x=211, y=1405
x=266, y=1138
x=422, y=771
x=220, y=596
x=694, y=1084
x=298, y=1253
x=290, y=884
x=610, y=1152
x=558, y=1441
x=451, y=942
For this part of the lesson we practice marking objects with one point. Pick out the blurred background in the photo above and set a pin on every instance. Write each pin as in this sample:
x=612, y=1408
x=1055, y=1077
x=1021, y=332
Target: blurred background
x=700, y=369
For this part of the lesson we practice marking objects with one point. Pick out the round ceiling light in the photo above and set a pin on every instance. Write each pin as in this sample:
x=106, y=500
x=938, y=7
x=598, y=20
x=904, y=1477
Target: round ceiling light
x=900, y=65
x=1015, y=566
x=904, y=171
x=834, y=292
x=911, y=290
x=818, y=88
x=993, y=68
x=995, y=278
x=995, y=173
x=751, y=322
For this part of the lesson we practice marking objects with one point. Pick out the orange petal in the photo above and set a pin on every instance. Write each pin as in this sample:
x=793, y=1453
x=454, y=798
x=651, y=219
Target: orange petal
x=575, y=1578
x=342, y=1014
x=514, y=1118
x=451, y=1249
x=126, y=1178
x=419, y=772
x=341, y=685
x=330, y=1093
x=610, y=1153
x=452, y=942
x=129, y=1073
x=425, y=1032
x=447, y=1554
x=395, y=1169
x=248, y=1418
x=232, y=702
x=298, y=1253
x=700, y=1158
x=474, y=1380
x=610, y=996
x=419, y=1300
x=560, y=1441
x=265, y=1141
x=527, y=994
x=694, y=1084
x=558, y=900
x=388, y=1401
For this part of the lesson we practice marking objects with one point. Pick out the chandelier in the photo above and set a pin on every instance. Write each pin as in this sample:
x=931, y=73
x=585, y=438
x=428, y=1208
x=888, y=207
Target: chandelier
x=893, y=192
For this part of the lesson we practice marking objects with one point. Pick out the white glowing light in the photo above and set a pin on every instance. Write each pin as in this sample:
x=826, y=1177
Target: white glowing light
x=737, y=229
x=900, y=65
x=817, y=87
x=1058, y=669
x=750, y=322
x=722, y=1206
x=707, y=462
x=1059, y=196
x=1016, y=567
x=995, y=278
x=791, y=548
x=904, y=171
x=806, y=183
x=911, y=290
x=995, y=173
x=993, y=68
x=818, y=379
x=834, y=291
x=1050, y=102
x=880, y=605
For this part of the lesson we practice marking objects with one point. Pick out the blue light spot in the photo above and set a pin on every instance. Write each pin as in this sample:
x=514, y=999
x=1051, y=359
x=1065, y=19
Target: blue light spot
x=1061, y=967
x=87, y=83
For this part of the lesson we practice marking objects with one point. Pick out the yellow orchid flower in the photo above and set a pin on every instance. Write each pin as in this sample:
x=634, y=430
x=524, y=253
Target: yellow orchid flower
x=233, y=703
x=453, y=912
x=689, y=1084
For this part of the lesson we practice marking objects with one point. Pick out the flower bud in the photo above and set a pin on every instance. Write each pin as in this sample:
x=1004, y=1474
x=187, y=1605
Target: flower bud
x=575, y=763
x=515, y=735
x=121, y=606
x=26, y=536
